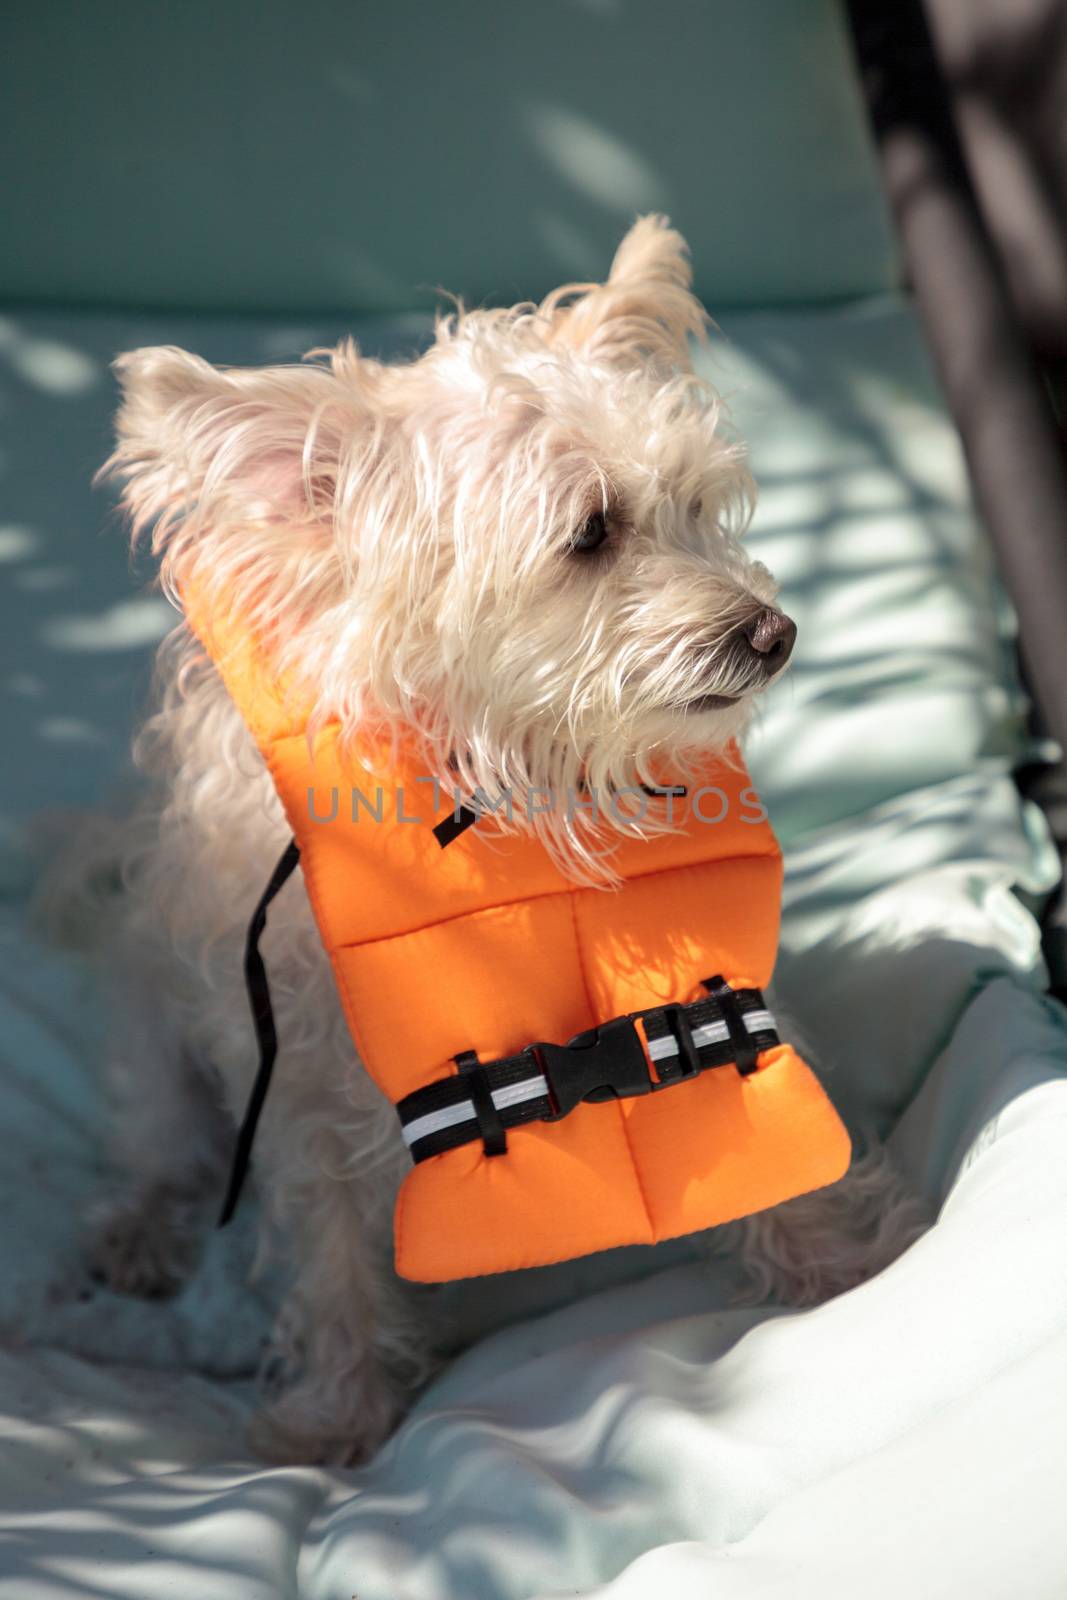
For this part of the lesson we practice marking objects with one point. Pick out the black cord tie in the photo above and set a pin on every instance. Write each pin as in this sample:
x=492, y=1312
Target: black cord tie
x=266, y=1033
x=456, y=823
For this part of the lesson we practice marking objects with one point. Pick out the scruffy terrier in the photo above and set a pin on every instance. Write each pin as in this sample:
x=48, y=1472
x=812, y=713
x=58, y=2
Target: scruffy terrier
x=523, y=548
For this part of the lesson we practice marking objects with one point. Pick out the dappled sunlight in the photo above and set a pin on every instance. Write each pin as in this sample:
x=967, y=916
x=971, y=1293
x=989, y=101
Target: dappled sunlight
x=18, y=543
x=939, y=937
x=44, y=580
x=197, y=1529
x=573, y=247
x=596, y=163
x=543, y=1456
x=922, y=445
x=986, y=915
x=128, y=625
x=902, y=674
x=71, y=731
x=859, y=619
x=466, y=1491
x=58, y=368
x=884, y=538
x=288, y=343
x=357, y=274
x=857, y=754
x=26, y=685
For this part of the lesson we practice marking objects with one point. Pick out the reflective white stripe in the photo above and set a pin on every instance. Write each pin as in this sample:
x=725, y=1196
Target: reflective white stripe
x=512, y=1094
x=710, y=1033
x=434, y=1121
x=757, y=1021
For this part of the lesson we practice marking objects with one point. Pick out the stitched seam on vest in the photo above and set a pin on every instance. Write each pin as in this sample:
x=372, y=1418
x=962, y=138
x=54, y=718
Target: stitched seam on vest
x=619, y=1110
x=548, y=894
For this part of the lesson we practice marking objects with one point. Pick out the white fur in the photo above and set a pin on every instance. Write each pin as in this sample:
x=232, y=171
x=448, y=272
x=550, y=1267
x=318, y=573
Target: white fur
x=400, y=537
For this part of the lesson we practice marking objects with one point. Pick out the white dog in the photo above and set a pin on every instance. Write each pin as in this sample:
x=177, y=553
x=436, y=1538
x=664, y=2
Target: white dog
x=524, y=548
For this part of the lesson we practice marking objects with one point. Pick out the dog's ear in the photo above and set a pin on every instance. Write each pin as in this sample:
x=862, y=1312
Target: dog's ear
x=244, y=440
x=644, y=313
x=235, y=470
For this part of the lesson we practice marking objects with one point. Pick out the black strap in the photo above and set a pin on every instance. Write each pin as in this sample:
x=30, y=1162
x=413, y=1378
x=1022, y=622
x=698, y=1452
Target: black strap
x=544, y=1082
x=476, y=1080
x=454, y=824
x=266, y=1033
x=740, y=1038
x=688, y=1064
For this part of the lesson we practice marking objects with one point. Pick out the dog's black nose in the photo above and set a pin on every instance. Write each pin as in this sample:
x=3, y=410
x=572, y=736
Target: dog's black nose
x=771, y=636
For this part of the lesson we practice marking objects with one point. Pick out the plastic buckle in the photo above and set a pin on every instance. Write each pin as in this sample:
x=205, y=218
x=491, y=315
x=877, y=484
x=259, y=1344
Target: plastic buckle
x=605, y=1063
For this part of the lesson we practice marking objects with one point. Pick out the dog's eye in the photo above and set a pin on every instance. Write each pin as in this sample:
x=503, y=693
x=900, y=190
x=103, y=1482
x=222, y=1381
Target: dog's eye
x=591, y=534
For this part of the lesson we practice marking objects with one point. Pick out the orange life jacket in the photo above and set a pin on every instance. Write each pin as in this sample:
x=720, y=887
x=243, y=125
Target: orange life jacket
x=478, y=950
